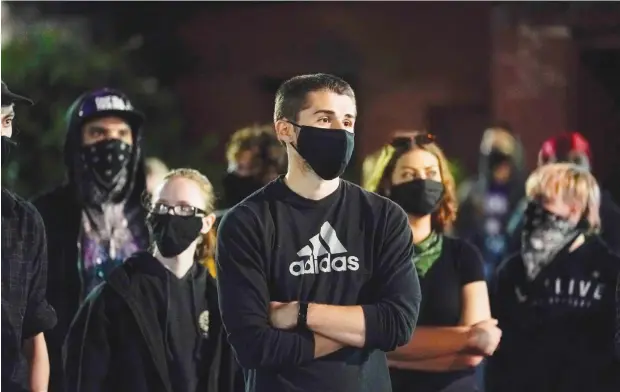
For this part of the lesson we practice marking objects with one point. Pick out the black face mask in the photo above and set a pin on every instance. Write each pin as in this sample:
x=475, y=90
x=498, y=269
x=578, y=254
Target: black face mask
x=418, y=197
x=7, y=144
x=237, y=188
x=544, y=235
x=173, y=233
x=327, y=151
x=496, y=158
x=106, y=159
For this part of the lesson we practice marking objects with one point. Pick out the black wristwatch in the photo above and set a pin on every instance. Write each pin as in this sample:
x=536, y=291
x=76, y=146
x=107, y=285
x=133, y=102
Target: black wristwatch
x=302, y=316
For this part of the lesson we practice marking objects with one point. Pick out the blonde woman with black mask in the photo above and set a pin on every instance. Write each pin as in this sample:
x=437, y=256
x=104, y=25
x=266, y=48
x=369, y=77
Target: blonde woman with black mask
x=155, y=324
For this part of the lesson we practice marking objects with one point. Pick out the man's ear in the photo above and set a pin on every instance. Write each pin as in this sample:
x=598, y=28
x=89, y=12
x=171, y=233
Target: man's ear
x=207, y=223
x=285, y=131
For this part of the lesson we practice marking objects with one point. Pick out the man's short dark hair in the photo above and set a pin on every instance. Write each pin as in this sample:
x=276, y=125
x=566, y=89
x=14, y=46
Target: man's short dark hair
x=291, y=95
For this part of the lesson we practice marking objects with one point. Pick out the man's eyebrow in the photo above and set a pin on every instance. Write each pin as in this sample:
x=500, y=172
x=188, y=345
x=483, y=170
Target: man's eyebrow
x=331, y=112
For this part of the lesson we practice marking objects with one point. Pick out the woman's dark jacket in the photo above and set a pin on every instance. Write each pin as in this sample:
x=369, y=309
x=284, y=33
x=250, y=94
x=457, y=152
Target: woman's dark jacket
x=116, y=343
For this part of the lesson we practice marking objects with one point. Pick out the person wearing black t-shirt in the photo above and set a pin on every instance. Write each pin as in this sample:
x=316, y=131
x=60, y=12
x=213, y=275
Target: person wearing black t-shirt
x=555, y=299
x=155, y=325
x=314, y=273
x=455, y=330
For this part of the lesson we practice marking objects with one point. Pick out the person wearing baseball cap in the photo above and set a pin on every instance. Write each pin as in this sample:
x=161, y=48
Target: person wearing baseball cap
x=572, y=147
x=26, y=314
x=95, y=220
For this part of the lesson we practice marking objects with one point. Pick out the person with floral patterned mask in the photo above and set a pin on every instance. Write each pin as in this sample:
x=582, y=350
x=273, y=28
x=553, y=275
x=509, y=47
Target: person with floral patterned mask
x=555, y=299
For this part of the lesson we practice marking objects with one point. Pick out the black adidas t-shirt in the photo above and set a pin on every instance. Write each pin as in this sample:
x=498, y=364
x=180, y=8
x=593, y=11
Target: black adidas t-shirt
x=558, y=329
x=442, y=304
x=351, y=248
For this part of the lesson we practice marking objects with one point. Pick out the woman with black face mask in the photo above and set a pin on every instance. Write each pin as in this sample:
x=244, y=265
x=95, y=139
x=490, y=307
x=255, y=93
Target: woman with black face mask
x=155, y=324
x=455, y=330
x=555, y=299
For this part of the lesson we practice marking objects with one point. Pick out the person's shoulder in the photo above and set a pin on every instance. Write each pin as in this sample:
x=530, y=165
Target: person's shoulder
x=378, y=204
x=243, y=213
x=253, y=208
x=53, y=201
x=598, y=250
x=510, y=265
x=460, y=245
x=21, y=208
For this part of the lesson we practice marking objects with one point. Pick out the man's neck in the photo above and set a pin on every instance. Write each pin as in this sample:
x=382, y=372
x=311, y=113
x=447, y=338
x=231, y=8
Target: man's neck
x=178, y=265
x=306, y=183
x=421, y=227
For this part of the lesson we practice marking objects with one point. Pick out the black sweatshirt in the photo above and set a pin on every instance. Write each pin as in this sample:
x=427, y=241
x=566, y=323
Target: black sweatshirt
x=351, y=248
x=134, y=334
x=558, y=329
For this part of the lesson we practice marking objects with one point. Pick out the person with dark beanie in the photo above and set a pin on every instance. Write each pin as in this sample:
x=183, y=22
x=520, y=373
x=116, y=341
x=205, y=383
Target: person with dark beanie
x=95, y=220
x=154, y=326
x=555, y=299
x=455, y=330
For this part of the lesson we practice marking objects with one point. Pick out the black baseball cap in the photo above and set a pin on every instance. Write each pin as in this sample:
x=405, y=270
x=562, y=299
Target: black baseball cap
x=9, y=97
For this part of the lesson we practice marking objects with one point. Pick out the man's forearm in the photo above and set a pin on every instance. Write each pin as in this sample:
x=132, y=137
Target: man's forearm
x=324, y=346
x=35, y=351
x=344, y=324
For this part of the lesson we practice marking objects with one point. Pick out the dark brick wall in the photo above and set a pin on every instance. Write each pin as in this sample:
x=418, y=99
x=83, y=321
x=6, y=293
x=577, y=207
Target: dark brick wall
x=402, y=57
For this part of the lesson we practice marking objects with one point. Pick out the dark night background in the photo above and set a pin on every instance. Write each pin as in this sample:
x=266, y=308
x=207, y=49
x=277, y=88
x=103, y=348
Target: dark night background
x=448, y=67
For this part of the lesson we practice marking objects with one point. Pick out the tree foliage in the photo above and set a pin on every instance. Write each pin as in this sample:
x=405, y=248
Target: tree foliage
x=53, y=69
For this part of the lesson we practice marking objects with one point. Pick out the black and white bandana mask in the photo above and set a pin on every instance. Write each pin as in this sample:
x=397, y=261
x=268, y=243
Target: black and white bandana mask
x=544, y=236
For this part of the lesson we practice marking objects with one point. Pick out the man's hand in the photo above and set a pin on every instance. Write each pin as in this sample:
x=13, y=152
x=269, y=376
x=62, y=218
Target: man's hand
x=483, y=338
x=283, y=315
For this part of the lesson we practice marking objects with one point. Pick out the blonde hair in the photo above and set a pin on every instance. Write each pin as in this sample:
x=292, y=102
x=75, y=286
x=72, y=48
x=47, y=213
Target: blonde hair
x=569, y=182
x=205, y=252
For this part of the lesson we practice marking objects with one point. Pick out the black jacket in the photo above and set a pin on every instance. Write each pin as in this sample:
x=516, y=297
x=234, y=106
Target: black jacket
x=61, y=211
x=116, y=343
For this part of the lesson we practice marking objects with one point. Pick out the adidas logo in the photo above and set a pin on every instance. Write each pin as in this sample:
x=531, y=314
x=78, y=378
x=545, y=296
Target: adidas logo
x=324, y=254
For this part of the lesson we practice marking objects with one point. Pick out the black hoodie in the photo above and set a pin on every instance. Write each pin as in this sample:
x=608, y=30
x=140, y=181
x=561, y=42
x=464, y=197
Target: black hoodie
x=61, y=210
x=119, y=338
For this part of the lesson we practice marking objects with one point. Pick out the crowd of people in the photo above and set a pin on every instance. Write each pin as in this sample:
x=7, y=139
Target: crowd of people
x=134, y=277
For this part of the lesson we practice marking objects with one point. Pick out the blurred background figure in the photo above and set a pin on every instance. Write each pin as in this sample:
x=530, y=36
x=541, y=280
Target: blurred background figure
x=488, y=200
x=255, y=157
x=95, y=220
x=155, y=171
x=570, y=147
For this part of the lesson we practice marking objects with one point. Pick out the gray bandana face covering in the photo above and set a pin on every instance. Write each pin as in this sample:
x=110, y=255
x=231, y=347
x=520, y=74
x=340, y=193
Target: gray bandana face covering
x=544, y=236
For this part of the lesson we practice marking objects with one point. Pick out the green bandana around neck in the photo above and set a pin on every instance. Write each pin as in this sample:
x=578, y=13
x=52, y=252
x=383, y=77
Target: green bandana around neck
x=427, y=252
